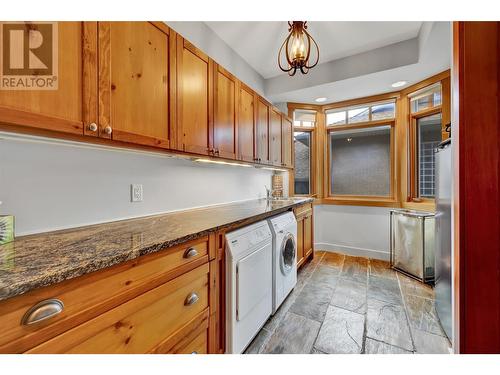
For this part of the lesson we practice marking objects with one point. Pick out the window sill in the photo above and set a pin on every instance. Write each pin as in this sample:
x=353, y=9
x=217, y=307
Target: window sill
x=360, y=201
x=426, y=205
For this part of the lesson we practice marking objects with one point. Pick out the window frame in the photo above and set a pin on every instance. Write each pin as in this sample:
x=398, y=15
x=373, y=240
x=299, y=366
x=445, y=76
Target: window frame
x=362, y=200
x=313, y=130
x=388, y=200
x=413, y=178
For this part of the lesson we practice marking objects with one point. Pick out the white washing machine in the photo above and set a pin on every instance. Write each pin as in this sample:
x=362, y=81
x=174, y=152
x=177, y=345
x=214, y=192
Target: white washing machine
x=284, y=229
x=249, y=275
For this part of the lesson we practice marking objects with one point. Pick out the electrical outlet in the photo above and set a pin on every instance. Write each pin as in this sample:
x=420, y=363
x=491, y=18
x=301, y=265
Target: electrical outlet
x=136, y=192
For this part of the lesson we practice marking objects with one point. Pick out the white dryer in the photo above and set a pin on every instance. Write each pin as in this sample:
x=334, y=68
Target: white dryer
x=249, y=281
x=284, y=229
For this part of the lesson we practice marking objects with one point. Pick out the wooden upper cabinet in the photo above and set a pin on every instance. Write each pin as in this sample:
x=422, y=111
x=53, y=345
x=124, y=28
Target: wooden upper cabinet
x=275, y=137
x=133, y=98
x=225, y=113
x=262, y=132
x=57, y=110
x=194, y=99
x=246, y=124
x=286, y=141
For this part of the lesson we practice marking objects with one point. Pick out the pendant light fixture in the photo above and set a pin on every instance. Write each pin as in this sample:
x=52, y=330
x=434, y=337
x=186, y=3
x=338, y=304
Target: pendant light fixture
x=297, y=49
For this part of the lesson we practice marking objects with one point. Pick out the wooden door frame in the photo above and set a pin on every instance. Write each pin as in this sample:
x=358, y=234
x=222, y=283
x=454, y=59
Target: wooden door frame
x=476, y=198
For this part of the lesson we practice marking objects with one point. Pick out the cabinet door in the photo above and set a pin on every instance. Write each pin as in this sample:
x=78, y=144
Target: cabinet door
x=194, y=99
x=275, y=137
x=133, y=82
x=61, y=109
x=246, y=124
x=286, y=142
x=308, y=237
x=225, y=113
x=300, y=241
x=262, y=132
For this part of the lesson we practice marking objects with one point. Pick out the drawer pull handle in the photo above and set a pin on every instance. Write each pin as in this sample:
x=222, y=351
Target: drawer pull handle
x=190, y=253
x=195, y=352
x=191, y=299
x=42, y=311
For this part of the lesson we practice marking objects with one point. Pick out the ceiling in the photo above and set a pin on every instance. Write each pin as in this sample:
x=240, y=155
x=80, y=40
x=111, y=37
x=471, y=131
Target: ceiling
x=357, y=59
x=258, y=42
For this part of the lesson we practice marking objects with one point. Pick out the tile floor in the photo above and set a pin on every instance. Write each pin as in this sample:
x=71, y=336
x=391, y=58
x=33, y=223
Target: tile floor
x=345, y=304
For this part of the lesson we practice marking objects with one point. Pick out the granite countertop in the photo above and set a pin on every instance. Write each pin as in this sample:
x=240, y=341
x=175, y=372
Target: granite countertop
x=39, y=260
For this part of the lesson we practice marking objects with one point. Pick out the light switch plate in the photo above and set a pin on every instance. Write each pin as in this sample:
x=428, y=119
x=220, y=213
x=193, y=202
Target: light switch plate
x=136, y=192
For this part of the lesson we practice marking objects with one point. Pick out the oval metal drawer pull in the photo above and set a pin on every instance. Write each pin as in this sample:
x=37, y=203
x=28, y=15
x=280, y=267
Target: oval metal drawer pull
x=190, y=253
x=42, y=311
x=191, y=299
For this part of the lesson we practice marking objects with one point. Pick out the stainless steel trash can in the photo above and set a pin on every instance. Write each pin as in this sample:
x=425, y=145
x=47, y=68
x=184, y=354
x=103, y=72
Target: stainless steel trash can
x=412, y=243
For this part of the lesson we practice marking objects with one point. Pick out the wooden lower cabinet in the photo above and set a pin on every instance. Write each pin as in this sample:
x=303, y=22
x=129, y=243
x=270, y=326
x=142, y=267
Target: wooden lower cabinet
x=141, y=324
x=300, y=241
x=159, y=303
x=305, y=244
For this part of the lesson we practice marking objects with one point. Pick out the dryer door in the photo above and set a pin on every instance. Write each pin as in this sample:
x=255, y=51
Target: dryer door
x=287, y=253
x=253, y=280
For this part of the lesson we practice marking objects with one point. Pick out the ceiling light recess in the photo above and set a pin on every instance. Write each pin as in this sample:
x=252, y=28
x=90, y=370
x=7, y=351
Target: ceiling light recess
x=398, y=84
x=320, y=100
x=297, y=49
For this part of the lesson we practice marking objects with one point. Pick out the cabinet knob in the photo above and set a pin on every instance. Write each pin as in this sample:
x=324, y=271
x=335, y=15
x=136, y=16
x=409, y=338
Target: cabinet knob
x=190, y=253
x=108, y=130
x=191, y=299
x=92, y=127
x=42, y=311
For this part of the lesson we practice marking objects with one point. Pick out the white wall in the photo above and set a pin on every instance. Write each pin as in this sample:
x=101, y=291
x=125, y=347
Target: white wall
x=56, y=185
x=204, y=38
x=353, y=230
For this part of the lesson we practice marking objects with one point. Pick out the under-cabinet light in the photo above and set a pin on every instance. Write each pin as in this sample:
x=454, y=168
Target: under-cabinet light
x=221, y=162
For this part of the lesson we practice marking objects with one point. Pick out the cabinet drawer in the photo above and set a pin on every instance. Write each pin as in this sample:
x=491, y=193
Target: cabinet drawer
x=190, y=339
x=92, y=294
x=303, y=210
x=197, y=346
x=140, y=324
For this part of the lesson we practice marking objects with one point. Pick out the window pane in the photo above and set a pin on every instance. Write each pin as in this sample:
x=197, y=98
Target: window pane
x=383, y=111
x=303, y=117
x=427, y=98
x=335, y=118
x=302, y=145
x=429, y=136
x=360, y=161
x=358, y=115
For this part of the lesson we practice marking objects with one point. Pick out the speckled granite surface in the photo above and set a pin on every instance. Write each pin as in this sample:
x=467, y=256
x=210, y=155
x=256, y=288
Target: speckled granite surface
x=39, y=260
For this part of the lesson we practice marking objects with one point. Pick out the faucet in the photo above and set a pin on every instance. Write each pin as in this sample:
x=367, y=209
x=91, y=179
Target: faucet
x=268, y=193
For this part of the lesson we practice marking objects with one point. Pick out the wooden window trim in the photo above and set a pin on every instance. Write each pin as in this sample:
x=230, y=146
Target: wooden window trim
x=363, y=200
x=313, y=167
x=312, y=161
x=399, y=142
x=412, y=197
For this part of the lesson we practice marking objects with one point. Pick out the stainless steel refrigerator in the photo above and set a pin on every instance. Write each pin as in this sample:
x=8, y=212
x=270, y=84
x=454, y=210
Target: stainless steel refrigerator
x=443, y=276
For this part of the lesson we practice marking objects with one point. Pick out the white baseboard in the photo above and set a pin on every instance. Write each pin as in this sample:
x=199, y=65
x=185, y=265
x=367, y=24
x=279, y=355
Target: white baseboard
x=354, y=251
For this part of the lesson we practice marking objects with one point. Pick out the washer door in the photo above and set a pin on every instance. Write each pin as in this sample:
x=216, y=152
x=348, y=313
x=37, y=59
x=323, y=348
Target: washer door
x=287, y=254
